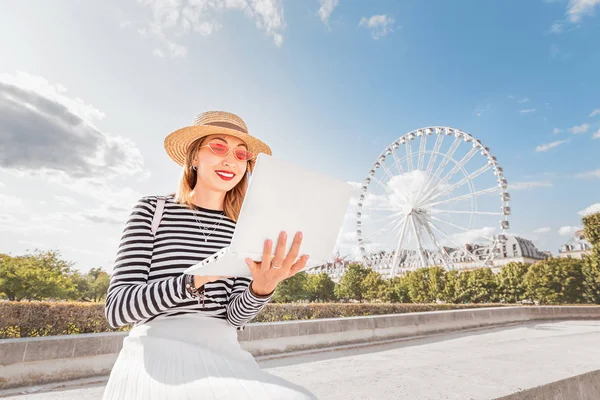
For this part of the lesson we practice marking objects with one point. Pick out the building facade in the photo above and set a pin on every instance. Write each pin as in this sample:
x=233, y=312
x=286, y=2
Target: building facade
x=577, y=247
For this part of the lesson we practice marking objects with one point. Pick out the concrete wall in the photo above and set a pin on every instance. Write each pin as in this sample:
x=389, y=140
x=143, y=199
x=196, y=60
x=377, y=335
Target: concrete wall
x=580, y=387
x=32, y=361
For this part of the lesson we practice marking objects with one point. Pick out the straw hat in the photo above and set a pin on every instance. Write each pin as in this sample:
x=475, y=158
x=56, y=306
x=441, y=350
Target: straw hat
x=211, y=123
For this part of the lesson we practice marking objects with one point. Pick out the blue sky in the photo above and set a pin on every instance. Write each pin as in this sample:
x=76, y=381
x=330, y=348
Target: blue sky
x=329, y=84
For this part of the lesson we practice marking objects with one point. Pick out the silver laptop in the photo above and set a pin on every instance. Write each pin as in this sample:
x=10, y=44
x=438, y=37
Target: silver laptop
x=283, y=196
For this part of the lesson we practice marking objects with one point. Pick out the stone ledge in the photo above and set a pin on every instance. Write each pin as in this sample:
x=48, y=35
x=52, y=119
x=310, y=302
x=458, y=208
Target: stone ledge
x=85, y=355
x=580, y=387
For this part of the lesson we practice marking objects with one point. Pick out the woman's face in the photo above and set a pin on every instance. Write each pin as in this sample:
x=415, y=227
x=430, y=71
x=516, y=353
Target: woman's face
x=215, y=172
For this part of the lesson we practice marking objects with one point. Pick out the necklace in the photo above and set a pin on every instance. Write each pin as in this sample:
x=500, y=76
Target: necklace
x=202, y=229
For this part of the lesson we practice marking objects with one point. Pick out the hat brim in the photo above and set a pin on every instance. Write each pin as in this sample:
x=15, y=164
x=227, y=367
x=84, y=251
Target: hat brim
x=177, y=142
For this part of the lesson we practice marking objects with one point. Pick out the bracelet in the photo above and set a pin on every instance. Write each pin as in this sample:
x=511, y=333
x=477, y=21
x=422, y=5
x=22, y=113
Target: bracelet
x=190, y=287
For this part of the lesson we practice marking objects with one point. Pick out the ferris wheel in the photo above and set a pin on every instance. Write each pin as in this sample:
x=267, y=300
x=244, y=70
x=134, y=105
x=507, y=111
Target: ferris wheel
x=435, y=196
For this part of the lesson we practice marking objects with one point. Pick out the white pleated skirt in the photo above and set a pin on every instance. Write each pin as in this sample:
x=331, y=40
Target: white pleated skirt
x=192, y=357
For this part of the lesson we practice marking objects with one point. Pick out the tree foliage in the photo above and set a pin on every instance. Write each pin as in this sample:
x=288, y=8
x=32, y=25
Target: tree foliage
x=351, y=285
x=45, y=276
x=511, y=287
x=292, y=289
x=320, y=287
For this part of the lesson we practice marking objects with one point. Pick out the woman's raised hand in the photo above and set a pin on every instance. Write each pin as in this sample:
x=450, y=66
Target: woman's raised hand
x=274, y=268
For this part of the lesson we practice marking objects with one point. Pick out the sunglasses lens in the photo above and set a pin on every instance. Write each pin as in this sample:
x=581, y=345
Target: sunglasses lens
x=244, y=155
x=218, y=148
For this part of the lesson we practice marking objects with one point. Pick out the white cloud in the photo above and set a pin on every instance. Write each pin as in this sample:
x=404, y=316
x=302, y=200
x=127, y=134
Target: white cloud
x=545, y=229
x=548, y=146
x=578, y=8
x=595, y=113
x=556, y=131
x=327, y=7
x=529, y=185
x=66, y=200
x=583, y=128
x=523, y=100
x=589, y=174
x=528, y=111
x=472, y=236
x=556, y=27
x=40, y=122
x=380, y=25
x=177, y=18
x=10, y=202
x=568, y=230
x=596, y=135
x=593, y=209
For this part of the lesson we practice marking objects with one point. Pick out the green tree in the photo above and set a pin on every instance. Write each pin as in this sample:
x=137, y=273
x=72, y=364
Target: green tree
x=320, y=287
x=99, y=286
x=426, y=285
x=374, y=287
x=591, y=229
x=38, y=276
x=555, y=281
x=396, y=290
x=591, y=263
x=457, y=287
x=510, y=283
x=91, y=286
x=591, y=279
x=481, y=286
x=291, y=289
x=351, y=283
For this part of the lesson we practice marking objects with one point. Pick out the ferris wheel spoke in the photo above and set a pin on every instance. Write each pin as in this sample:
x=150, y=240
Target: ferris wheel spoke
x=430, y=186
x=458, y=246
x=435, y=211
x=446, y=159
x=464, y=196
x=436, y=150
x=458, y=226
x=397, y=161
x=392, y=224
x=409, y=160
x=458, y=166
x=422, y=151
x=395, y=209
x=381, y=184
x=386, y=170
x=443, y=253
x=464, y=180
x=382, y=219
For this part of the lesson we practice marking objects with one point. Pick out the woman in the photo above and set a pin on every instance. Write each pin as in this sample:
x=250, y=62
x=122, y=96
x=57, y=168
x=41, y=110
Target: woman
x=183, y=343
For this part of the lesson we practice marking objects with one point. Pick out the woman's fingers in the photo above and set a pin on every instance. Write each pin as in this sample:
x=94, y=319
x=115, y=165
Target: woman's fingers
x=299, y=265
x=267, y=254
x=280, y=249
x=290, y=259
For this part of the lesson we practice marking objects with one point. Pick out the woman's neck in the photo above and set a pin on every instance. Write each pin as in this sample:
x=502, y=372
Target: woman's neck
x=208, y=199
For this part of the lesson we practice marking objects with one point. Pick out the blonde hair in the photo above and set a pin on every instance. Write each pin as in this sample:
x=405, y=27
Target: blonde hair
x=233, y=198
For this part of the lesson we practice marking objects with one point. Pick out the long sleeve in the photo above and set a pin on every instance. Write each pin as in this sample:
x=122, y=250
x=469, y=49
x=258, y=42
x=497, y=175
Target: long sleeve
x=131, y=298
x=243, y=305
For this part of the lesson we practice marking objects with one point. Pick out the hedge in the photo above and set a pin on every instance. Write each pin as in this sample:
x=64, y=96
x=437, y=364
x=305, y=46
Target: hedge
x=41, y=318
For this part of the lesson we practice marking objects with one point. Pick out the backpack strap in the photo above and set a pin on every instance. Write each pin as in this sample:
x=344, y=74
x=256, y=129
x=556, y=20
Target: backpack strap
x=160, y=206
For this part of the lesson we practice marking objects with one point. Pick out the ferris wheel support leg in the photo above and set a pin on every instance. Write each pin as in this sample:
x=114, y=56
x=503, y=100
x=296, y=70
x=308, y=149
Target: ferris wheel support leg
x=418, y=239
x=397, y=252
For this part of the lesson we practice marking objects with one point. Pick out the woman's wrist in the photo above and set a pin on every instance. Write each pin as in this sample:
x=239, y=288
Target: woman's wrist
x=260, y=291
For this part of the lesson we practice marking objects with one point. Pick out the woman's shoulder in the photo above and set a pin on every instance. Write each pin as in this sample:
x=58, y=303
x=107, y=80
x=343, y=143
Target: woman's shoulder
x=152, y=200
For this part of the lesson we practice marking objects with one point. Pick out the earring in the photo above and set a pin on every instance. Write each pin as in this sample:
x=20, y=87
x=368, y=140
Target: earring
x=194, y=167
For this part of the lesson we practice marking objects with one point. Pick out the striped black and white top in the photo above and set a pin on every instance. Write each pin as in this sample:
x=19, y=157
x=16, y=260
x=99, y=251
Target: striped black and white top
x=148, y=281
